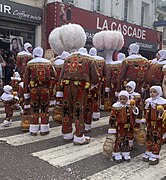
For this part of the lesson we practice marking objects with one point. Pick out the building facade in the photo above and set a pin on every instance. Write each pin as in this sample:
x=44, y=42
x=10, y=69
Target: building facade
x=132, y=17
x=160, y=21
x=20, y=23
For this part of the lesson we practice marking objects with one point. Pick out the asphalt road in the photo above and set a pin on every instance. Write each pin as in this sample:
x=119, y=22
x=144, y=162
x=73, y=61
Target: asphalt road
x=23, y=157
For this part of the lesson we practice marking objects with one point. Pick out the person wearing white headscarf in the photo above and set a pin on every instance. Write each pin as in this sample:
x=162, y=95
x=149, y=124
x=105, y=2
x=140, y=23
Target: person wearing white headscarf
x=161, y=57
x=120, y=58
x=121, y=125
x=58, y=65
x=15, y=80
x=23, y=57
x=154, y=108
x=38, y=74
x=130, y=88
x=80, y=70
x=9, y=101
x=134, y=51
x=98, y=96
x=130, y=70
x=112, y=75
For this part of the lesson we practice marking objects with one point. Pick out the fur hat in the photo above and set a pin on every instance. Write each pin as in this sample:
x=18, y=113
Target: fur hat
x=68, y=38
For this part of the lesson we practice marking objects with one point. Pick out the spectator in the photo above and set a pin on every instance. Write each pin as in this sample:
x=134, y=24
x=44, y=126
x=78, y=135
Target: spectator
x=9, y=69
x=2, y=65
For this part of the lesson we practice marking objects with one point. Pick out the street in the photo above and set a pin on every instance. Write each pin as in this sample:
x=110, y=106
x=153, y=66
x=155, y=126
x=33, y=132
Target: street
x=25, y=157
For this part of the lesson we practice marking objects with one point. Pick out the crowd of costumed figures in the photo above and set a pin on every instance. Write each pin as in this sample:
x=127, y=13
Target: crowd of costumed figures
x=76, y=85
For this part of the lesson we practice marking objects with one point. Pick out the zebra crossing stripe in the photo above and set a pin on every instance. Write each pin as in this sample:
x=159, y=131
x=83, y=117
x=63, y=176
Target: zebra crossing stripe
x=135, y=169
x=25, y=138
x=68, y=153
x=16, y=124
x=3, y=115
x=13, y=125
x=2, y=109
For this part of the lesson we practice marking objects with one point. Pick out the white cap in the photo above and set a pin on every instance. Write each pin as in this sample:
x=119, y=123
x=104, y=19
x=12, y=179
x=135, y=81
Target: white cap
x=133, y=49
x=7, y=88
x=64, y=55
x=38, y=51
x=131, y=84
x=93, y=51
x=121, y=56
x=83, y=50
x=26, y=46
x=16, y=75
x=158, y=89
x=162, y=54
x=124, y=93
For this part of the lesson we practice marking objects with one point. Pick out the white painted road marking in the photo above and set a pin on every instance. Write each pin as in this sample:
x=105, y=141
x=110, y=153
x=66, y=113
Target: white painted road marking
x=26, y=138
x=136, y=169
x=68, y=153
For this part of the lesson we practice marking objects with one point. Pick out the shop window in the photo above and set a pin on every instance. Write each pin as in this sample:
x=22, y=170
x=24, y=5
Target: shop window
x=11, y=32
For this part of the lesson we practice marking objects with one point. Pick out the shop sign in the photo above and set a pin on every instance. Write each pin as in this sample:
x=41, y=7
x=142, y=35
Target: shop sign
x=127, y=30
x=148, y=39
x=20, y=12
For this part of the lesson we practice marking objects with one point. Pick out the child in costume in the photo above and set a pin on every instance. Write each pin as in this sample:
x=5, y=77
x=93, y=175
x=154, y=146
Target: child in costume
x=154, y=111
x=121, y=125
x=130, y=88
x=9, y=101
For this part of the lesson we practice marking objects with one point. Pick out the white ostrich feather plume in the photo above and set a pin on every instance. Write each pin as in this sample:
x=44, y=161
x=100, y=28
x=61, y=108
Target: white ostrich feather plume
x=108, y=40
x=67, y=38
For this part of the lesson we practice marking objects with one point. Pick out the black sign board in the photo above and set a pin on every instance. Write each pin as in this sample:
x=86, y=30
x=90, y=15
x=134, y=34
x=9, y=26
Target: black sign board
x=20, y=12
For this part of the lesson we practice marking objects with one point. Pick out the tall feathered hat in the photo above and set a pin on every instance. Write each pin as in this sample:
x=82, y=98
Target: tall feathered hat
x=109, y=41
x=68, y=38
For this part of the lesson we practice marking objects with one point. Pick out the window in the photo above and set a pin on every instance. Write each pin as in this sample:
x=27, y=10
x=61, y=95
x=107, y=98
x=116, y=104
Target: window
x=142, y=15
x=68, y=1
x=145, y=14
x=95, y=5
x=126, y=2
